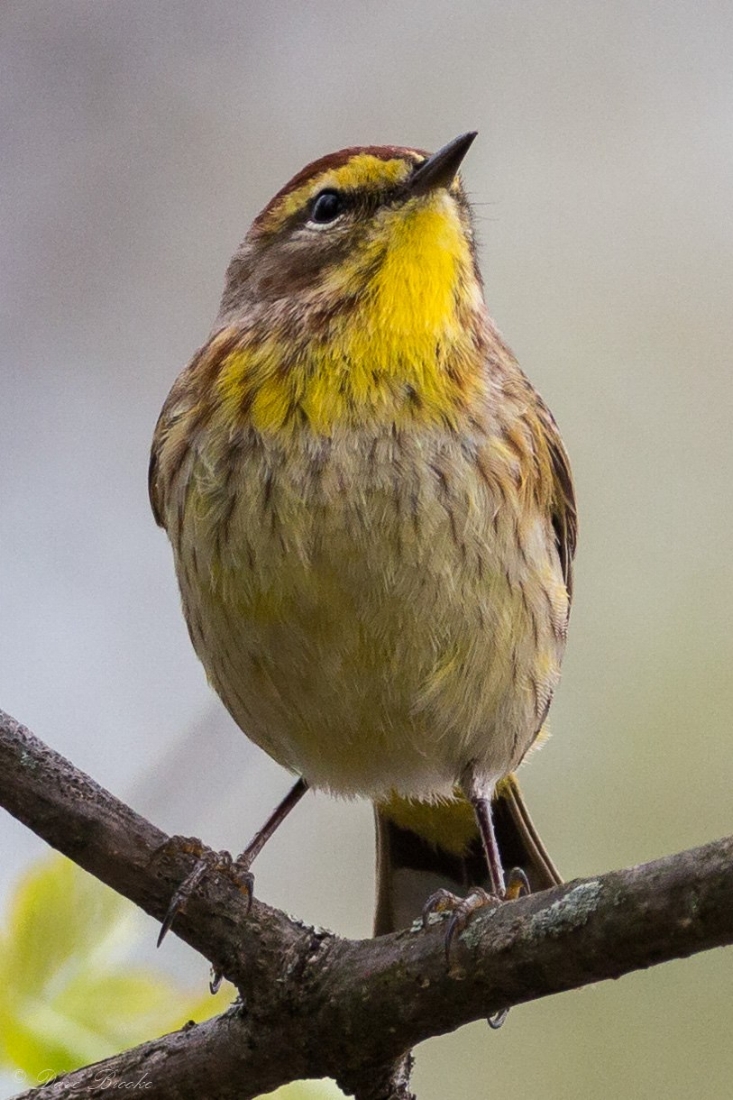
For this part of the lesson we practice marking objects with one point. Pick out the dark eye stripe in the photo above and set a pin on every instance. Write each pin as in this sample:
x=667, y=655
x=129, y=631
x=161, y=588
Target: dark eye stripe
x=360, y=205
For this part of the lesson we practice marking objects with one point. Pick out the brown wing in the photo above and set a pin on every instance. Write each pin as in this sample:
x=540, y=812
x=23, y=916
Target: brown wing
x=153, y=482
x=564, y=511
x=160, y=441
x=186, y=407
x=157, y=459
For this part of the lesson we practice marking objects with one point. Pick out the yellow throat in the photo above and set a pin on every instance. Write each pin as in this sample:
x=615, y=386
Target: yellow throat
x=387, y=334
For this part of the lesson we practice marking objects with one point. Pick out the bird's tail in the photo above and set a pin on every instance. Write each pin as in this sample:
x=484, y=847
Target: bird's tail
x=424, y=846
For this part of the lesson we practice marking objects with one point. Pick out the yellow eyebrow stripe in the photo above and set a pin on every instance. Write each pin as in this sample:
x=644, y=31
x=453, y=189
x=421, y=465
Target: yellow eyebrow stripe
x=361, y=172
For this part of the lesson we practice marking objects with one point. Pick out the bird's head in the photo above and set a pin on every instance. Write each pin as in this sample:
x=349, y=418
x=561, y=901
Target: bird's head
x=356, y=293
x=370, y=226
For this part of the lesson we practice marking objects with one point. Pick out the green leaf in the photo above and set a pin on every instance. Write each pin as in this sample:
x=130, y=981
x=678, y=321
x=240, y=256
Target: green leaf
x=68, y=996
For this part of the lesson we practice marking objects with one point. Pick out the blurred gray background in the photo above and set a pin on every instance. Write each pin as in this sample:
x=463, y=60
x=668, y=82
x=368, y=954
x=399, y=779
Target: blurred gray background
x=138, y=141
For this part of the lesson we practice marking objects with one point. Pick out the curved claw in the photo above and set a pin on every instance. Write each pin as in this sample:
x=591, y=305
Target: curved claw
x=460, y=909
x=477, y=899
x=243, y=879
x=517, y=885
x=497, y=1020
x=442, y=901
x=184, y=892
x=206, y=863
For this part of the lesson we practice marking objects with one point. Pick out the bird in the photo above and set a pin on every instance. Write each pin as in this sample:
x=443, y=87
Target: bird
x=373, y=524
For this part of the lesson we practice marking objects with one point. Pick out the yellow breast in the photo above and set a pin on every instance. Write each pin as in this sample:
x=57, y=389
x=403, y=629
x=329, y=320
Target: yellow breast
x=407, y=354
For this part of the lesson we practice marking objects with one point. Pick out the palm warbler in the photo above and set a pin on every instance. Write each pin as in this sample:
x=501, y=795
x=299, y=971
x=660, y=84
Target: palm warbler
x=372, y=518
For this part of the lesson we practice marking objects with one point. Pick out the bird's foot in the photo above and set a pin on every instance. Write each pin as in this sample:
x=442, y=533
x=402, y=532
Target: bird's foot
x=207, y=862
x=462, y=909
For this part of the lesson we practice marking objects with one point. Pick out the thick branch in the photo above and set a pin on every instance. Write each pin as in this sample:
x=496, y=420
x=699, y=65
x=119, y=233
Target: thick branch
x=320, y=1006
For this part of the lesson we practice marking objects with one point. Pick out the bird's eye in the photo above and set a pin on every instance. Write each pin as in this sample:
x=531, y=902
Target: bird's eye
x=326, y=207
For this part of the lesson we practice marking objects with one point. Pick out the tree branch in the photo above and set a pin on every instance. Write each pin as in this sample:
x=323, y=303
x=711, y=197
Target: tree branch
x=318, y=1005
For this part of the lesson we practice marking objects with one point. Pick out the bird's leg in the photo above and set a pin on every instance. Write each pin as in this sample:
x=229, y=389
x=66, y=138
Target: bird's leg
x=273, y=823
x=461, y=909
x=237, y=869
x=479, y=794
x=480, y=799
x=516, y=883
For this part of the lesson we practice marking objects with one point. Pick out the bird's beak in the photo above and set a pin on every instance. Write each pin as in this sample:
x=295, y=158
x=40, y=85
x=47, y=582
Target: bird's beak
x=440, y=169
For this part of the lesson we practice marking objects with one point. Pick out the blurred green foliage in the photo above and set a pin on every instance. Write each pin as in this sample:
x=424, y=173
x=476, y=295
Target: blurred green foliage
x=69, y=994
